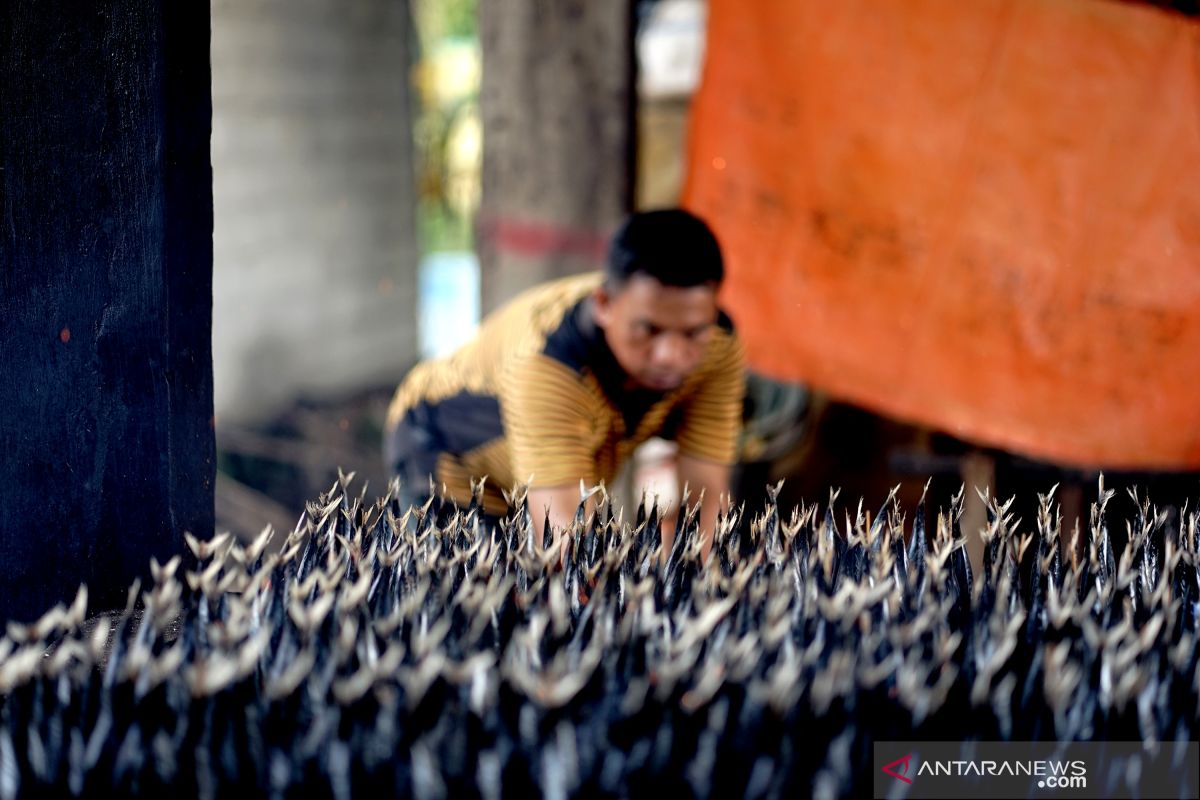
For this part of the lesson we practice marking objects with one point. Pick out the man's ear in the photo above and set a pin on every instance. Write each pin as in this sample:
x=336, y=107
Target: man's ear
x=601, y=306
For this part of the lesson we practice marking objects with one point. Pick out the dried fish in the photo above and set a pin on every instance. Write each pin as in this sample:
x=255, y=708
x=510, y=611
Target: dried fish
x=386, y=651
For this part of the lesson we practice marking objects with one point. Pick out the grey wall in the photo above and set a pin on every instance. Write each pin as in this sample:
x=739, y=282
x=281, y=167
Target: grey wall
x=106, y=441
x=315, y=254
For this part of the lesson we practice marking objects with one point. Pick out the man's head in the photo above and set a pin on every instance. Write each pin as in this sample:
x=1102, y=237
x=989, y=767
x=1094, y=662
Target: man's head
x=658, y=303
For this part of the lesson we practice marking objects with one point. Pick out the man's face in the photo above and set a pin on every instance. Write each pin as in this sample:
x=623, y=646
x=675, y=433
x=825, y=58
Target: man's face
x=657, y=333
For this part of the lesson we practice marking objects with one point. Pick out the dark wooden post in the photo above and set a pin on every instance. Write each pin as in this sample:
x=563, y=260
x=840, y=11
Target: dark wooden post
x=106, y=440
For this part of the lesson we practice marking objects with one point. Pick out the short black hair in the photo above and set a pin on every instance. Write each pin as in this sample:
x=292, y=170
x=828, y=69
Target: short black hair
x=671, y=245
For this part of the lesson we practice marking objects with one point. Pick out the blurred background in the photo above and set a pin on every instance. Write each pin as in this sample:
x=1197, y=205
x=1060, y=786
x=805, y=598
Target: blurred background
x=960, y=244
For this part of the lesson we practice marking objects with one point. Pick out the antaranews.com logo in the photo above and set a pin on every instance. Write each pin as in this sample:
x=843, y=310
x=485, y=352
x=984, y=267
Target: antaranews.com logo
x=1049, y=773
x=982, y=770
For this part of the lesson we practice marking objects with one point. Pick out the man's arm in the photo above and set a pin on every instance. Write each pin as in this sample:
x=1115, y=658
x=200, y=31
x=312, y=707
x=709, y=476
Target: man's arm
x=548, y=419
x=713, y=478
x=709, y=431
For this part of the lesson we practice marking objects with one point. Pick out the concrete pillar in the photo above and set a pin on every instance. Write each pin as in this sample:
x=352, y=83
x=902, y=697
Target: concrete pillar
x=558, y=138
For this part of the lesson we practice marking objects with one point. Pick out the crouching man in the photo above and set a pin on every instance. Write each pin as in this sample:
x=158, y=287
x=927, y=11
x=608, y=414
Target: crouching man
x=567, y=379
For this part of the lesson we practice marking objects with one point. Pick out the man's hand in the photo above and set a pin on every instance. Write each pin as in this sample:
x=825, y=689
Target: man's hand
x=563, y=501
x=713, y=478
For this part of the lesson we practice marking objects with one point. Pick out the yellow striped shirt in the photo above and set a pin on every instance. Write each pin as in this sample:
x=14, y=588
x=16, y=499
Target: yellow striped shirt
x=533, y=397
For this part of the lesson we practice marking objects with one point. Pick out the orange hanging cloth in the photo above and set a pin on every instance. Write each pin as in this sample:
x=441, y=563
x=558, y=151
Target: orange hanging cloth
x=983, y=216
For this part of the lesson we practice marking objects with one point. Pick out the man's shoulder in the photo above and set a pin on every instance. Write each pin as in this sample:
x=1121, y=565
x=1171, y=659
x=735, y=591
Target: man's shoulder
x=564, y=333
x=726, y=338
x=723, y=354
x=569, y=342
x=551, y=298
x=527, y=320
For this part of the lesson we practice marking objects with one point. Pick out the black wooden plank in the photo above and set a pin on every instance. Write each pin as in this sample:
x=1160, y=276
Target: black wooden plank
x=106, y=442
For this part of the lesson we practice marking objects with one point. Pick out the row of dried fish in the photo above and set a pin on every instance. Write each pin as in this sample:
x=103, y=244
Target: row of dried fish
x=420, y=652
